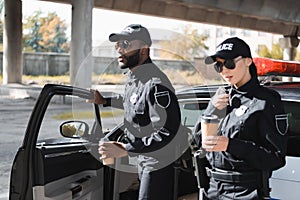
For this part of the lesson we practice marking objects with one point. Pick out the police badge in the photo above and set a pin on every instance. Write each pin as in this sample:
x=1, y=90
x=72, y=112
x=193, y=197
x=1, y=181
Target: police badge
x=282, y=123
x=241, y=110
x=133, y=98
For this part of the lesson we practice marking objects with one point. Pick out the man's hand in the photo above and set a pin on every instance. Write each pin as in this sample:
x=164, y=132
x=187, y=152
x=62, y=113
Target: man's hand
x=112, y=149
x=98, y=98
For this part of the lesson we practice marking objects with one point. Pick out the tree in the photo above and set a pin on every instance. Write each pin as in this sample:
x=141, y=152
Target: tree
x=185, y=46
x=297, y=58
x=1, y=22
x=276, y=52
x=45, y=34
x=264, y=52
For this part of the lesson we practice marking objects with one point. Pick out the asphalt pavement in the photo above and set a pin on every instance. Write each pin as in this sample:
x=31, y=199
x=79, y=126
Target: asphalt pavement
x=19, y=91
x=16, y=103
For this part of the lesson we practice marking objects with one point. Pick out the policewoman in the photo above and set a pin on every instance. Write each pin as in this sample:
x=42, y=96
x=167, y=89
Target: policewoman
x=252, y=132
x=152, y=116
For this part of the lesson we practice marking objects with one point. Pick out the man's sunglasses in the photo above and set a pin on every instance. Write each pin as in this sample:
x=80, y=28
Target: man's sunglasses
x=125, y=44
x=229, y=64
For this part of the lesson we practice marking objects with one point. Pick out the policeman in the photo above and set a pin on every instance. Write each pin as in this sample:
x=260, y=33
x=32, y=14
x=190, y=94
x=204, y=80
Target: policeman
x=252, y=133
x=151, y=115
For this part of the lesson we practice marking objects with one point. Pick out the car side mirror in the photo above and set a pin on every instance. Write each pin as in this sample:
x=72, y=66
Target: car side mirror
x=74, y=129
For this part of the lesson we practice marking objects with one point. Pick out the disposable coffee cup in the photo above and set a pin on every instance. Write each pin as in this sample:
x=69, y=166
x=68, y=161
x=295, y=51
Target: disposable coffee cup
x=209, y=125
x=106, y=161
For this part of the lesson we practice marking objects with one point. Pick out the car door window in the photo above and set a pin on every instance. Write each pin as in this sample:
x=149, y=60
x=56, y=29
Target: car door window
x=191, y=111
x=61, y=109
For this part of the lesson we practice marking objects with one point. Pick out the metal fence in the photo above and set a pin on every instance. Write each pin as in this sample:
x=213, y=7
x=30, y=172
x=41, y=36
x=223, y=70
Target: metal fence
x=54, y=64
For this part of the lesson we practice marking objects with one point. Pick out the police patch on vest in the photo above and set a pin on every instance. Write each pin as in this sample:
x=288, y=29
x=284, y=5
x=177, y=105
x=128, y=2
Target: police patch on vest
x=241, y=110
x=282, y=123
x=162, y=99
x=133, y=98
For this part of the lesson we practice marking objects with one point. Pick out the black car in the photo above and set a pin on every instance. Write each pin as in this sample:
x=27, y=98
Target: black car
x=59, y=155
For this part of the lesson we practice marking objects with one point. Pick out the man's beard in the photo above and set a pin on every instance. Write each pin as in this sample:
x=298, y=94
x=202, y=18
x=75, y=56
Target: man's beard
x=131, y=61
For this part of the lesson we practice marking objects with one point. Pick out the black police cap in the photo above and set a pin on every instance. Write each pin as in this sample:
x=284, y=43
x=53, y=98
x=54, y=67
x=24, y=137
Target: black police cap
x=230, y=49
x=132, y=32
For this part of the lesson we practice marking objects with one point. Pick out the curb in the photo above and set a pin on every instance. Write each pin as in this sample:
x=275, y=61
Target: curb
x=4, y=196
x=19, y=91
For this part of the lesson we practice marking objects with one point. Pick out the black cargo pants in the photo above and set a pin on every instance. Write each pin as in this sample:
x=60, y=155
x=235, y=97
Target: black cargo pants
x=156, y=185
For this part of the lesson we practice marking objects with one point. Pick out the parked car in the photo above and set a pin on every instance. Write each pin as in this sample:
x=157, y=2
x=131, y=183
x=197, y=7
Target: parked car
x=58, y=159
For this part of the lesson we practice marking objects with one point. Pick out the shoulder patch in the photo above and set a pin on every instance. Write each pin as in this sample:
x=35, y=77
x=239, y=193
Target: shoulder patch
x=282, y=123
x=162, y=99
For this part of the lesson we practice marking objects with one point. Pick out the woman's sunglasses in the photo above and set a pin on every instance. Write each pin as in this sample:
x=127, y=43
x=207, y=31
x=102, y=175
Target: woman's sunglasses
x=125, y=44
x=229, y=64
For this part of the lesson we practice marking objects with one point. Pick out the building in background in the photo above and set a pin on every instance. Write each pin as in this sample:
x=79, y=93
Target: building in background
x=216, y=34
x=255, y=39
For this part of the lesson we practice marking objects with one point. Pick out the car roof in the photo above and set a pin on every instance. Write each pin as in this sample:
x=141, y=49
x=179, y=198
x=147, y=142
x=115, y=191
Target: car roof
x=287, y=90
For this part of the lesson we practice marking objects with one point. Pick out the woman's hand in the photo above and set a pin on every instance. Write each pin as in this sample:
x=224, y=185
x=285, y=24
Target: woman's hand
x=220, y=99
x=215, y=143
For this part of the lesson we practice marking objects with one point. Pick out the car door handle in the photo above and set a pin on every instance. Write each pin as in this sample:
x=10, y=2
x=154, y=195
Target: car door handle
x=75, y=190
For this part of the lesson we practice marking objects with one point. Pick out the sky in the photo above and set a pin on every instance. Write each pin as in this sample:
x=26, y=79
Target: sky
x=101, y=26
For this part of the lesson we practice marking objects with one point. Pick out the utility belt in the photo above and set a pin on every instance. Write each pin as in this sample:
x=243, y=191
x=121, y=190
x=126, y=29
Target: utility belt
x=233, y=177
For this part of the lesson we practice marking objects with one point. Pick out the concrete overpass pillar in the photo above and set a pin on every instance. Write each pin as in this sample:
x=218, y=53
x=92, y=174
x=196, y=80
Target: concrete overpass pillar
x=12, y=42
x=81, y=43
x=289, y=45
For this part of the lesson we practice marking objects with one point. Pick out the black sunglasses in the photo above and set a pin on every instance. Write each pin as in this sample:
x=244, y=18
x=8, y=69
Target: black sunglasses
x=229, y=64
x=125, y=44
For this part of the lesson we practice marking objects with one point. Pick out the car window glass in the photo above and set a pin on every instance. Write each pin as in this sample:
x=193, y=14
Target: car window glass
x=62, y=109
x=190, y=112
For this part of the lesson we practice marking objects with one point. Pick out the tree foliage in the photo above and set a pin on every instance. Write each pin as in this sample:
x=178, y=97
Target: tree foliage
x=45, y=33
x=1, y=22
x=185, y=46
x=276, y=52
x=297, y=58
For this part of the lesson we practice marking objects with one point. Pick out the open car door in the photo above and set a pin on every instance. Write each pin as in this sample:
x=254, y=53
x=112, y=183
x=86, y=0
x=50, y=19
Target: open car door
x=51, y=165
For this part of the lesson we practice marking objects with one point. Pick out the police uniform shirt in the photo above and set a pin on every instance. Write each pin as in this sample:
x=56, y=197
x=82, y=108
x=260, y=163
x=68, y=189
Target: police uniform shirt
x=256, y=126
x=151, y=110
